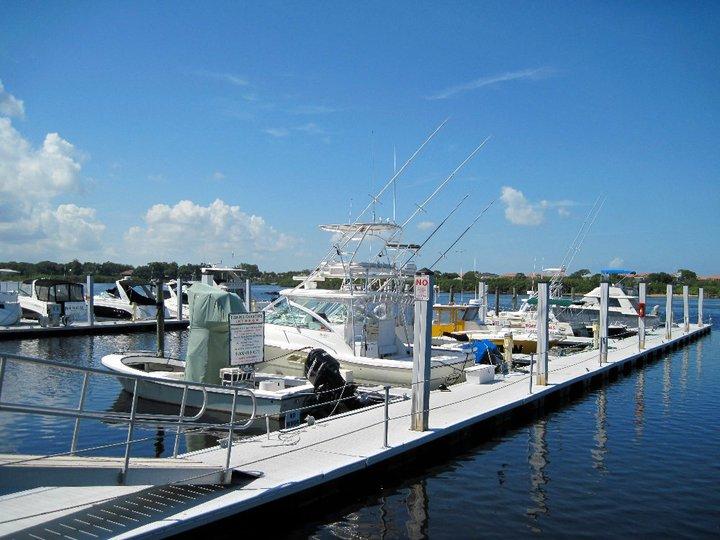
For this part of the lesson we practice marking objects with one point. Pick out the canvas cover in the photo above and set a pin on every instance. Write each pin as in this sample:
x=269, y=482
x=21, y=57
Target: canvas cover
x=209, y=343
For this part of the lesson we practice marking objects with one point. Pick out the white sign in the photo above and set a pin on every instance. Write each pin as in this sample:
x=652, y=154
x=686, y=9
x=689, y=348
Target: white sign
x=422, y=288
x=247, y=338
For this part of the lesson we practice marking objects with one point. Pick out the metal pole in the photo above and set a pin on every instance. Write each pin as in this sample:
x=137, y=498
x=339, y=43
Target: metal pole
x=668, y=312
x=514, y=299
x=131, y=428
x=604, y=304
x=387, y=416
x=686, y=308
x=179, y=298
x=267, y=426
x=89, y=292
x=700, y=306
x=532, y=369
x=641, y=315
x=497, y=302
x=176, y=446
x=482, y=295
x=248, y=291
x=228, y=473
x=76, y=429
x=424, y=300
x=160, y=318
x=542, y=333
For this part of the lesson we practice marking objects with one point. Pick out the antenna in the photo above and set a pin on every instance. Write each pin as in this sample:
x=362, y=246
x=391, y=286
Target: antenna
x=372, y=171
x=394, y=182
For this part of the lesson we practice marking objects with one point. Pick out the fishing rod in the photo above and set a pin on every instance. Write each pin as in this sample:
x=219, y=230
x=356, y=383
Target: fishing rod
x=463, y=233
x=417, y=250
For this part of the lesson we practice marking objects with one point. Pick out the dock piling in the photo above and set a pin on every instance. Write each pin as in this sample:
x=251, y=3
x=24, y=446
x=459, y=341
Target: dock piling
x=89, y=295
x=668, y=311
x=482, y=296
x=604, y=302
x=179, y=298
x=248, y=305
x=542, y=333
x=701, y=292
x=497, y=302
x=514, y=299
x=387, y=416
x=642, y=294
x=508, y=349
x=686, y=308
x=160, y=317
x=424, y=300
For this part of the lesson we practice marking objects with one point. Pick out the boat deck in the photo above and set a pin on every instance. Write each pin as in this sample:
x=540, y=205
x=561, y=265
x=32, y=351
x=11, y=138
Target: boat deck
x=296, y=461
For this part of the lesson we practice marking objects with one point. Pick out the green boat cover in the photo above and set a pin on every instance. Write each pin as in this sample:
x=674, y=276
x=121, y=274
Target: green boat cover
x=209, y=343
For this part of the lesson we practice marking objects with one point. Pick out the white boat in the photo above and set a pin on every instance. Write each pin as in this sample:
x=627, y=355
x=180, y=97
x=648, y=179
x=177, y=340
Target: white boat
x=170, y=295
x=129, y=299
x=281, y=398
x=224, y=277
x=367, y=324
x=52, y=301
x=10, y=310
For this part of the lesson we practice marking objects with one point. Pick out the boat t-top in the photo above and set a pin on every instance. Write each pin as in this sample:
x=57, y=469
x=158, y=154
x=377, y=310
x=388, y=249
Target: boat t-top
x=226, y=278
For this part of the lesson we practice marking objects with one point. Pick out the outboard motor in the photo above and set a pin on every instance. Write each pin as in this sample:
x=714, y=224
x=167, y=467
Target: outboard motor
x=332, y=392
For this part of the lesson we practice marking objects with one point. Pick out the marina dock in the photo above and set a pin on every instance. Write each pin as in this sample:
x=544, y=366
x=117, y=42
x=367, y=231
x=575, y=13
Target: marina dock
x=300, y=463
x=34, y=330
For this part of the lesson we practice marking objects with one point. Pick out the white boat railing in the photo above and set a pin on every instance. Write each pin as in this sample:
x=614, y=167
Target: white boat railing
x=133, y=418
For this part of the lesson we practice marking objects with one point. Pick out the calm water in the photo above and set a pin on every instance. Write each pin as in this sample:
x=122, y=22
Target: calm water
x=640, y=455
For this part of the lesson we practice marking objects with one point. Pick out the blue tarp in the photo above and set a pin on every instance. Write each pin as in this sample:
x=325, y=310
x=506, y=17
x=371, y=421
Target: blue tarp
x=480, y=347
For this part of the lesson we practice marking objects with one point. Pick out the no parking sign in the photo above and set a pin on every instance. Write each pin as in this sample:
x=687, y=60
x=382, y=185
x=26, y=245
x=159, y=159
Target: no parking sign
x=422, y=287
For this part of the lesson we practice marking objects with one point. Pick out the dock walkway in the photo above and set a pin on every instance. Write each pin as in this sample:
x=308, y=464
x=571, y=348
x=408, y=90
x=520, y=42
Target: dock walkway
x=26, y=330
x=294, y=461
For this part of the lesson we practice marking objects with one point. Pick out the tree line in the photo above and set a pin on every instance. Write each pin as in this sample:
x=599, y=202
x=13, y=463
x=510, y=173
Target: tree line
x=580, y=281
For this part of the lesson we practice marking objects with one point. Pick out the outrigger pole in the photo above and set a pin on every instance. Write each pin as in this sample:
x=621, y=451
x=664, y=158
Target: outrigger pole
x=474, y=221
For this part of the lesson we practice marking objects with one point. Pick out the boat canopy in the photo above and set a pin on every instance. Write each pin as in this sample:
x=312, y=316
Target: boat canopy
x=57, y=290
x=208, y=347
x=563, y=302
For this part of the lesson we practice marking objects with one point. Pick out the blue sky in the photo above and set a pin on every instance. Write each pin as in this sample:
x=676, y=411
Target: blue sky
x=174, y=131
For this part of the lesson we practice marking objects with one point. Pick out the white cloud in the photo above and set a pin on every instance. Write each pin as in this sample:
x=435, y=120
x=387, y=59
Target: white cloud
x=313, y=109
x=10, y=105
x=189, y=231
x=616, y=262
x=31, y=226
x=217, y=175
x=518, y=210
x=277, y=132
x=230, y=78
x=563, y=212
x=426, y=225
x=537, y=73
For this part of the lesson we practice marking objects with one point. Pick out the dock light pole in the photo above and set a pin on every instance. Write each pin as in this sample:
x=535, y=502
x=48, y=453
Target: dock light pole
x=542, y=333
x=160, y=317
x=89, y=294
x=701, y=292
x=604, y=302
x=179, y=298
x=424, y=299
x=642, y=294
x=482, y=296
x=668, y=312
x=686, y=308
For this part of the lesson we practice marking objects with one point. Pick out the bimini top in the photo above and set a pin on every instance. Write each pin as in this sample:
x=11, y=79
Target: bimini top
x=49, y=282
x=617, y=272
x=211, y=269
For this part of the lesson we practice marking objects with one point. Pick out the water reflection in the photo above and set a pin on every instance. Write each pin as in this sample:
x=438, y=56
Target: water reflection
x=698, y=358
x=539, y=459
x=598, y=453
x=684, y=370
x=667, y=383
x=639, y=404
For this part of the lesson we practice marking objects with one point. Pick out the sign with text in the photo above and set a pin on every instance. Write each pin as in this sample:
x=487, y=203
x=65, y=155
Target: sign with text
x=422, y=288
x=247, y=338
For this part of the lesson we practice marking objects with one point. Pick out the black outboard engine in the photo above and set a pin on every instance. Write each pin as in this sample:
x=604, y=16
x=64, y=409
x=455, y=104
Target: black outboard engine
x=332, y=393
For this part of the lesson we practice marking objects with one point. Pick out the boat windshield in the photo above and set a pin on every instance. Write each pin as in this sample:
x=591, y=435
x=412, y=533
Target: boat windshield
x=287, y=314
x=62, y=292
x=332, y=312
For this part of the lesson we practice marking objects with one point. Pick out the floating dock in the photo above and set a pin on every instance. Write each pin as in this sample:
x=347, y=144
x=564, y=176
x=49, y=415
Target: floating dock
x=295, y=465
x=24, y=330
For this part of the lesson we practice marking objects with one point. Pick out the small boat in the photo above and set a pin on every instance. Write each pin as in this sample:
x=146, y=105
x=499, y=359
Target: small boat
x=128, y=299
x=52, y=301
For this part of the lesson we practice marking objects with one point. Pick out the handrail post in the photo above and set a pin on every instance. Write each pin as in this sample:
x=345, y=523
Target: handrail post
x=180, y=420
x=131, y=428
x=387, y=416
x=81, y=405
x=228, y=473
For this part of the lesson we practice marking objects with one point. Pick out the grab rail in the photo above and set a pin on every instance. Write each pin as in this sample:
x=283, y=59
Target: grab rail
x=132, y=418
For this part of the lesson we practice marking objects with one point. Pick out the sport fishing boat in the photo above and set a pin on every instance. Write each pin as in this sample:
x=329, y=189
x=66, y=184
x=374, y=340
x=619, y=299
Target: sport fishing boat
x=226, y=278
x=128, y=299
x=366, y=323
x=286, y=399
x=52, y=301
